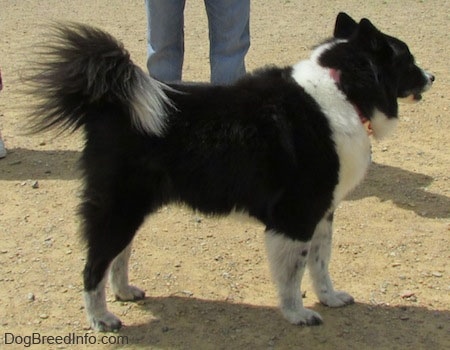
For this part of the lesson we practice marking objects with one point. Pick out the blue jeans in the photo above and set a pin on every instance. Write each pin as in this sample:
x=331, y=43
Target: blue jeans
x=229, y=38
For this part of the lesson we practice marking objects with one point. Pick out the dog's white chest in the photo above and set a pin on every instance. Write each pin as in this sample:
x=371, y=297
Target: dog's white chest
x=349, y=135
x=354, y=158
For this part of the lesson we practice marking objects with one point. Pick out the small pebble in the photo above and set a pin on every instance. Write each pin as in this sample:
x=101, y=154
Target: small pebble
x=407, y=294
x=31, y=297
x=187, y=292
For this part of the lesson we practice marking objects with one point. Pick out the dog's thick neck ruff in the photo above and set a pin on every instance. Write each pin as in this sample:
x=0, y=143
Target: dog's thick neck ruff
x=336, y=76
x=343, y=119
x=323, y=84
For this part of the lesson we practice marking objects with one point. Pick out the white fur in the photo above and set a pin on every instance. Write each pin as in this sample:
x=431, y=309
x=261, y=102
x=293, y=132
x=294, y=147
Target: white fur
x=99, y=317
x=430, y=80
x=287, y=260
x=149, y=104
x=118, y=276
x=318, y=261
x=382, y=126
x=349, y=135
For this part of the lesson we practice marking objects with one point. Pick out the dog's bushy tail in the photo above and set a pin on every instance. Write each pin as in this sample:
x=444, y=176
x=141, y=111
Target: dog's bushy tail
x=83, y=69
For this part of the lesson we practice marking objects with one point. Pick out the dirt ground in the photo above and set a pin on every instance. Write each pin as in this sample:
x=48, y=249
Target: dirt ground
x=207, y=279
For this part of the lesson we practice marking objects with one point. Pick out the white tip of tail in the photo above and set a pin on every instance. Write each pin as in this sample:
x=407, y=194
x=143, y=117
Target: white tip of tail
x=149, y=104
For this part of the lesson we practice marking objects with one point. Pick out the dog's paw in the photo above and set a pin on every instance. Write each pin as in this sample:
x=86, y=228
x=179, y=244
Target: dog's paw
x=302, y=317
x=107, y=322
x=336, y=299
x=129, y=293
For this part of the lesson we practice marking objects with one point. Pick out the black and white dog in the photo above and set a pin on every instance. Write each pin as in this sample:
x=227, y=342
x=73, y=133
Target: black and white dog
x=285, y=145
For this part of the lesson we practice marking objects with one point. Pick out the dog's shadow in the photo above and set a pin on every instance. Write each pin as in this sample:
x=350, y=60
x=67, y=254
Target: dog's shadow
x=405, y=189
x=188, y=323
x=24, y=164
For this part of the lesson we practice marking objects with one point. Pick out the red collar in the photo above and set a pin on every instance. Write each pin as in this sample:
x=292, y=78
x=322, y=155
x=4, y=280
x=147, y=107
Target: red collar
x=336, y=76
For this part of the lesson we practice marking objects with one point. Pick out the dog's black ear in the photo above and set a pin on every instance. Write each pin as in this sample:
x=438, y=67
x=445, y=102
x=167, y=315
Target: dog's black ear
x=345, y=26
x=373, y=40
x=370, y=36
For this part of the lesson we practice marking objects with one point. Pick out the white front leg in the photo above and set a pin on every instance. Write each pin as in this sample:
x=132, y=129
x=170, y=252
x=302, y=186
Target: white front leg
x=318, y=261
x=287, y=260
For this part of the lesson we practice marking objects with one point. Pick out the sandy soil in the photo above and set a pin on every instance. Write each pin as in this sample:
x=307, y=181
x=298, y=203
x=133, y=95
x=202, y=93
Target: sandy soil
x=207, y=279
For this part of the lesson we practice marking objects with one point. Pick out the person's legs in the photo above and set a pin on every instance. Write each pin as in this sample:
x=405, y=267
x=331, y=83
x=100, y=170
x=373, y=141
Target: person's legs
x=165, y=39
x=229, y=37
x=2, y=145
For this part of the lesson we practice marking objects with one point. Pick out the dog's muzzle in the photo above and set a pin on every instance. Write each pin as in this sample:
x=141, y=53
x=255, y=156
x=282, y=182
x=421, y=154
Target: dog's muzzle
x=416, y=95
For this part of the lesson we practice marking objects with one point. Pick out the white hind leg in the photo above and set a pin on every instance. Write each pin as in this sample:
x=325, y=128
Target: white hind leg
x=95, y=300
x=118, y=276
x=98, y=315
